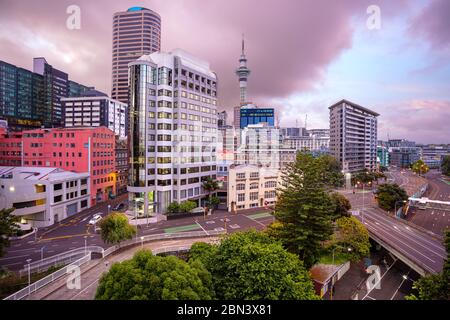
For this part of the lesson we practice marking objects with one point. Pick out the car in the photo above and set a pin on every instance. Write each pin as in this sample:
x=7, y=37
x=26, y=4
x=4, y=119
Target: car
x=96, y=218
x=119, y=207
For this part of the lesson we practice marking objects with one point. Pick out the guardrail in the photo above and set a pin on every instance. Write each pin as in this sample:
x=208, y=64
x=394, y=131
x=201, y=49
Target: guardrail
x=161, y=236
x=59, y=259
x=48, y=279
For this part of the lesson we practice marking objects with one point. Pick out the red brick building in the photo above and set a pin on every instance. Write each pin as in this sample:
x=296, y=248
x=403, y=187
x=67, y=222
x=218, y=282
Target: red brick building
x=78, y=150
x=10, y=148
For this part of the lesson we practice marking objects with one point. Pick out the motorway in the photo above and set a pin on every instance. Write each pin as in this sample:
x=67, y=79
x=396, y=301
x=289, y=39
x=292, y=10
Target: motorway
x=425, y=249
x=435, y=220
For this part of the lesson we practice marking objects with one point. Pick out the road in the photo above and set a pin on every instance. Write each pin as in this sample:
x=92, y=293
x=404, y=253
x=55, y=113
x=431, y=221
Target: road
x=92, y=272
x=70, y=233
x=435, y=220
x=416, y=244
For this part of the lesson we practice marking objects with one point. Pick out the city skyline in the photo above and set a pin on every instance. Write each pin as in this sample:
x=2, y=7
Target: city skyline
x=399, y=70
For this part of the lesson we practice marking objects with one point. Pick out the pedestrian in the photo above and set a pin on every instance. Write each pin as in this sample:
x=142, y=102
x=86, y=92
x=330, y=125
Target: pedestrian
x=106, y=263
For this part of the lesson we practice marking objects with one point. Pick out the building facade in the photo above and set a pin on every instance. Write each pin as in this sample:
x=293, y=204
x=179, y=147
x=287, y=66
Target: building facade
x=78, y=150
x=262, y=145
x=433, y=154
x=251, y=114
x=251, y=186
x=136, y=32
x=10, y=148
x=122, y=163
x=353, y=136
x=173, y=130
x=43, y=196
x=30, y=100
x=95, y=109
x=308, y=143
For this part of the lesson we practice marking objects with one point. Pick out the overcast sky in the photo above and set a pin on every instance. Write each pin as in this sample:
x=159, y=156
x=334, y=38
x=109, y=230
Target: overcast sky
x=304, y=54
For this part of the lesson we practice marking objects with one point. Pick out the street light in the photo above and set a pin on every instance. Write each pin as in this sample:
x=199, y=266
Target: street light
x=109, y=208
x=85, y=245
x=29, y=276
x=142, y=242
x=332, y=284
x=42, y=253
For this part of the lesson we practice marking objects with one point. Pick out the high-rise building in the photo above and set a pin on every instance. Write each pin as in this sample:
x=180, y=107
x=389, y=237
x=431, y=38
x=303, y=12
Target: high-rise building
x=31, y=100
x=122, y=165
x=353, y=136
x=136, y=32
x=95, y=109
x=173, y=130
x=222, y=119
x=251, y=114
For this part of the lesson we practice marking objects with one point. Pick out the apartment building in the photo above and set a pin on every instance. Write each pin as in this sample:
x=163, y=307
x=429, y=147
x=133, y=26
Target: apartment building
x=353, y=136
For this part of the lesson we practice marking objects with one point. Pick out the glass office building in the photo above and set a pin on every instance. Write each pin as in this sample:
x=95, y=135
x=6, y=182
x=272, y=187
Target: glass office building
x=256, y=116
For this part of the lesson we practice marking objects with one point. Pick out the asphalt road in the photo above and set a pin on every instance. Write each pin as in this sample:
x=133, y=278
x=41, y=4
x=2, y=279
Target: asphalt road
x=70, y=233
x=435, y=220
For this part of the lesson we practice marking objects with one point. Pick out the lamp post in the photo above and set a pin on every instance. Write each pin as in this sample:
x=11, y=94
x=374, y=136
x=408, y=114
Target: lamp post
x=42, y=253
x=109, y=208
x=85, y=245
x=142, y=242
x=332, y=284
x=29, y=276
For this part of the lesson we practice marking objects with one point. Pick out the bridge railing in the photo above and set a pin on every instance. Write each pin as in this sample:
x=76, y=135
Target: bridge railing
x=48, y=279
x=59, y=259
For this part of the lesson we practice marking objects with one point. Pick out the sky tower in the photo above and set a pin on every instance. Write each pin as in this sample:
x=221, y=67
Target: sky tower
x=243, y=72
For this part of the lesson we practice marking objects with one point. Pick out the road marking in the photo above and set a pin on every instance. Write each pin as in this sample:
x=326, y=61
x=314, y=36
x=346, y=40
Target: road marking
x=201, y=226
x=9, y=258
x=188, y=227
x=65, y=237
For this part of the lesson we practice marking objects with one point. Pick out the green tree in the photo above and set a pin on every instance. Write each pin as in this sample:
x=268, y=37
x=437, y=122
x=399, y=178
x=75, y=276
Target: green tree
x=305, y=208
x=187, y=206
x=420, y=167
x=436, y=286
x=331, y=171
x=149, y=277
x=174, y=207
x=8, y=227
x=115, y=228
x=390, y=194
x=211, y=186
x=351, y=233
x=252, y=266
x=445, y=165
x=342, y=204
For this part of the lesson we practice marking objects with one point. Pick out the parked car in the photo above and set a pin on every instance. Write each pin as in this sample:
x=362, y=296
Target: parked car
x=96, y=218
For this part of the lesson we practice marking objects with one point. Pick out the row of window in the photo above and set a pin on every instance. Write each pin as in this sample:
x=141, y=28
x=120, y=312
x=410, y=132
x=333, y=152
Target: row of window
x=267, y=184
x=254, y=196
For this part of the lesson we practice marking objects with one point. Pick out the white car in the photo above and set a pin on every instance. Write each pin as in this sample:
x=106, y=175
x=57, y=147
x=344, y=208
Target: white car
x=96, y=218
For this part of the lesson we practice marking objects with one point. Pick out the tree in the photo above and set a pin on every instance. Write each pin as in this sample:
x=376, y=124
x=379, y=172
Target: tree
x=436, y=286
x=331, y=171
x=187, y=206
x=174, y=207
x=8, y=227
x=351, y=233
x=115, y=228
x=390, y=194
x=342, y=204
x=211, y=186
x=445, y=166
x=149, y=277
x=420, y=167
x=305, y=208
x=252, y=266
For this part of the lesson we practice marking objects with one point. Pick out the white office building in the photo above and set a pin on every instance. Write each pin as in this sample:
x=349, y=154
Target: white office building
x=251, y=186
x=353, y=136
x=95, y=109
x=173, y=130
x=43, y=196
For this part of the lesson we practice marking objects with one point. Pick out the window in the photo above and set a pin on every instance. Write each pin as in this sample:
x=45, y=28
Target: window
x=240, y=175
x=240, y=187
x=57, y=186
x=270, y=184
x=254, y=175
x=241, y=197
x=253, y=196
x=254, y=186
x=57, y=199
x=269, y=194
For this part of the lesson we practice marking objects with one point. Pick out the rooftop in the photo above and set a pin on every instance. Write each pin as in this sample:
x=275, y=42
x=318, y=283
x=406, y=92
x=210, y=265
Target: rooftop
x=38, y=173
x=354, y=105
